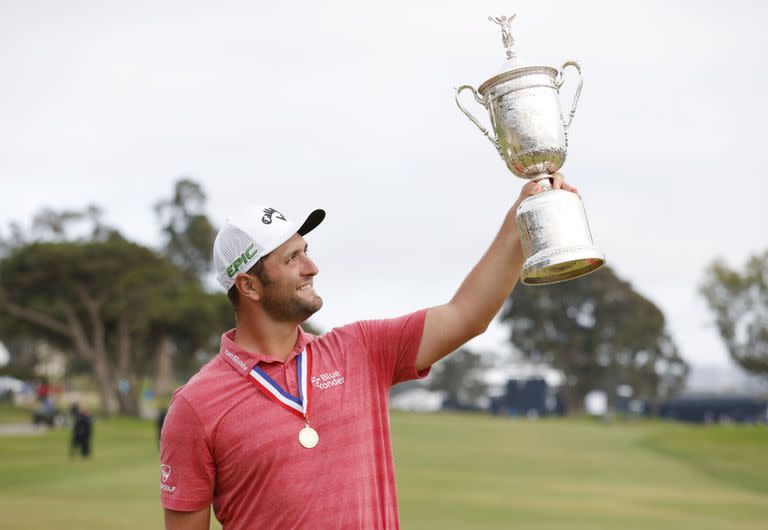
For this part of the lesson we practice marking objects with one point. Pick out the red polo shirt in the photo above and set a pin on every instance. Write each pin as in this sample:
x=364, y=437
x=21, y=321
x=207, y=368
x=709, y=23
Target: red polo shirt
x=225, y=443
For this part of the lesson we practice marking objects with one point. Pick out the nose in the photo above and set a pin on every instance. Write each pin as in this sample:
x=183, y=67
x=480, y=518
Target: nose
x=309, y=268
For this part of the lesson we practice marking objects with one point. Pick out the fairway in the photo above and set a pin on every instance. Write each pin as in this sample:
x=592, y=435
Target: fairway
x=453, y=472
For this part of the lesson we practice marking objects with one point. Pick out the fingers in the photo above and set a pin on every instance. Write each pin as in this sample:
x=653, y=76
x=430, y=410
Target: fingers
x=531, y=188
x=558, y=183
x=557, y=180
x=568, y=187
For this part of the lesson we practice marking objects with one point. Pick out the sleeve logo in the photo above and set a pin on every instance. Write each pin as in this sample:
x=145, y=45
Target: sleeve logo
x=165, y=472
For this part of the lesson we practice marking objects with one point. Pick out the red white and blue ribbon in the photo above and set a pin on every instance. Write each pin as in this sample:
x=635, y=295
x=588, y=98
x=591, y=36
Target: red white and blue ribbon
x=269, y=387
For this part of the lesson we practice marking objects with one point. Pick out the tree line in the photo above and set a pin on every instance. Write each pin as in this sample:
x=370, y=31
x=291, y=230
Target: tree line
x=124, y=310
x=127, y=312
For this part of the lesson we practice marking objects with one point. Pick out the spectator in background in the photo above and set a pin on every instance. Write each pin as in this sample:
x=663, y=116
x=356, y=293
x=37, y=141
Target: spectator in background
x=43, y=391
x=74, y=411
x=81, y=434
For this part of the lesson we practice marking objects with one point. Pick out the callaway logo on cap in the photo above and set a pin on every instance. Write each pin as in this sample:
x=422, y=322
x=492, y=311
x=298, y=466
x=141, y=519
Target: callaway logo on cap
x=245, y=239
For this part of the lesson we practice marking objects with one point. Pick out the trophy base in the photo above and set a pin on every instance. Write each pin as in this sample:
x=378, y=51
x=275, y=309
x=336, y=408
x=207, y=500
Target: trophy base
x=558, y=265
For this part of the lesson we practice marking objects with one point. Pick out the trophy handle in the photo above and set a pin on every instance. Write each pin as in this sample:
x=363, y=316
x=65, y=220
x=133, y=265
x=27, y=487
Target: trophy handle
x=472, y=118
x=560, y=79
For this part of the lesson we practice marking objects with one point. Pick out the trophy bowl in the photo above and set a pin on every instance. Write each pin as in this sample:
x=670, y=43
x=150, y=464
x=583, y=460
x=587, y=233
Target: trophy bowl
x=524, y=107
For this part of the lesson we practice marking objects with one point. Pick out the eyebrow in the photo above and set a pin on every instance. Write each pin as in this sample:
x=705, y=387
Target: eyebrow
x=292, y=252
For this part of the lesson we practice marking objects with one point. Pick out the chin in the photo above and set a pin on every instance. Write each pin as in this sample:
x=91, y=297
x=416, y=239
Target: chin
x=310, y=307
x=316, y=305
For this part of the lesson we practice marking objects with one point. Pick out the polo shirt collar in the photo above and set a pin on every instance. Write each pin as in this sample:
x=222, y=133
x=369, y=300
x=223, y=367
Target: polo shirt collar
x=243, y=360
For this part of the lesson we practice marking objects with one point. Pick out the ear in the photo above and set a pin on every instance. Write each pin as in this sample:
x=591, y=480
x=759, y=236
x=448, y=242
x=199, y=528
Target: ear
x=249, y=287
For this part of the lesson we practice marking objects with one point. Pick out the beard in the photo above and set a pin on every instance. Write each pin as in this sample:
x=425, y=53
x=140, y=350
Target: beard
x=287, y=305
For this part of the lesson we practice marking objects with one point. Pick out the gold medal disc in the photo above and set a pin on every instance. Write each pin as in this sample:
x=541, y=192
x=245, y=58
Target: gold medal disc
x=308, y=437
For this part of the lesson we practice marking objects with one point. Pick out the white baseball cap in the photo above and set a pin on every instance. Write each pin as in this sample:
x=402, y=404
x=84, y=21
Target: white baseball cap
x=245, y=239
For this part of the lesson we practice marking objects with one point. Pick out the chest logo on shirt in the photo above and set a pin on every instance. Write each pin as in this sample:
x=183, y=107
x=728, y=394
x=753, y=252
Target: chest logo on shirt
x=327, y=380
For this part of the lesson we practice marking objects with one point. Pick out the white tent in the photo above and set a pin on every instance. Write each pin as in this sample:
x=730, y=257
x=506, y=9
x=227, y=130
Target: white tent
x=5, y=357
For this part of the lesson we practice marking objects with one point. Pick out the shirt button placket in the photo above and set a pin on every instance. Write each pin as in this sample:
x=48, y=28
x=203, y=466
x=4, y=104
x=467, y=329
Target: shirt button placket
x=290, y=379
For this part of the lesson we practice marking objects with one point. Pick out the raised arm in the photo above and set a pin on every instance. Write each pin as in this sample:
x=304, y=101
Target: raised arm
x=483, y=291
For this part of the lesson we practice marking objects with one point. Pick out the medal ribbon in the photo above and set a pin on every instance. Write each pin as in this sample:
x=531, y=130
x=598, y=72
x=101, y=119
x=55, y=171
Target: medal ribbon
x=269, y=387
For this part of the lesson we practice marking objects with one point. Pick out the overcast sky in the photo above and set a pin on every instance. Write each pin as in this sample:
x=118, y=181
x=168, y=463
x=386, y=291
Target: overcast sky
x=349, y=106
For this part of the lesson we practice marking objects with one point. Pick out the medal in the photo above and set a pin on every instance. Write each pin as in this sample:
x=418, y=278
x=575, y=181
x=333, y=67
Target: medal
x=299, y=406
x=308, y=437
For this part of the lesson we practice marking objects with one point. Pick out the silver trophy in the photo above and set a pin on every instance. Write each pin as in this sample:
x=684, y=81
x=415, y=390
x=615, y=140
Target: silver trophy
x=531, y=136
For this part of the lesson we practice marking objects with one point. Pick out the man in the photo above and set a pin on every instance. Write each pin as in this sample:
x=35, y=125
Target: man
x=287, y=430
x=74, y=414
x=82, y=432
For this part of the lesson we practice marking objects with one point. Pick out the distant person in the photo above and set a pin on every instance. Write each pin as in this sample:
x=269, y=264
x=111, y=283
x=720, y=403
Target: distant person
x=45, y=414
x=123, y=386
x=43, y=391
x=82, y=431
x=284, y=429
x=74, y=412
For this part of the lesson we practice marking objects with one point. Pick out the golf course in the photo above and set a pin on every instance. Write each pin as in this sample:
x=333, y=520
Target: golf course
x=454, y=471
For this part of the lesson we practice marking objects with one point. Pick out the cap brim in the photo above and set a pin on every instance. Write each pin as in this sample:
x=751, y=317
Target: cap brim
x=311, y=222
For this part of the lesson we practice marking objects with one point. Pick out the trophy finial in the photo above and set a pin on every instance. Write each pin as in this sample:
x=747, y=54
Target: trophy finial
x=506, y=34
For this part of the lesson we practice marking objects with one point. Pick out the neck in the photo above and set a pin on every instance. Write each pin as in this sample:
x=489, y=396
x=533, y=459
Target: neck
x=265, y=336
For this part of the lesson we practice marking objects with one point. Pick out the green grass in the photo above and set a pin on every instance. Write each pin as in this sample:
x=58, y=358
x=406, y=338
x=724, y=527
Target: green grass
x=483, y=472
x=12, y=414
x=453, y=472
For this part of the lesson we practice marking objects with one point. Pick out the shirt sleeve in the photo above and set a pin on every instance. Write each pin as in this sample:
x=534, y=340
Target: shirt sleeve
x=186, y=460
x=394, y=343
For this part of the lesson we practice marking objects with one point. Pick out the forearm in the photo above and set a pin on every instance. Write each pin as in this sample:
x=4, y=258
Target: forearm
x=485, y=288
x=483, y=291
x=477, y=300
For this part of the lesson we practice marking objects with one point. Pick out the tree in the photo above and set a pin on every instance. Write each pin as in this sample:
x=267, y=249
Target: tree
x=110, y=302
x=599, y=332
x=121, y=308
x=739, y=302
x=59, y=226
x=188, y=232
x=459, y=377
x=188, y=239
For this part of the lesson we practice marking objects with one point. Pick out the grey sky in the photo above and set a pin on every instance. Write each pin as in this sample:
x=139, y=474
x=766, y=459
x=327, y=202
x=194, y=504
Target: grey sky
x=349, y=106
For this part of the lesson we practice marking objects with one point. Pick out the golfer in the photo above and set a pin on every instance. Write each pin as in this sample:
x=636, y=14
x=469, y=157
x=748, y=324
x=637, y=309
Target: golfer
x=287, y=430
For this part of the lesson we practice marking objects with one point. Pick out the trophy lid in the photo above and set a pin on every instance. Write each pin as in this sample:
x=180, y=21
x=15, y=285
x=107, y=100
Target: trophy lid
x=513, y=66
x=512, y=61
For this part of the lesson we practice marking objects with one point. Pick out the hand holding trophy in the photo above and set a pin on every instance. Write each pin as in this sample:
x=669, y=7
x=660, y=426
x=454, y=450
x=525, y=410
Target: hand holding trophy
x=531, y=137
